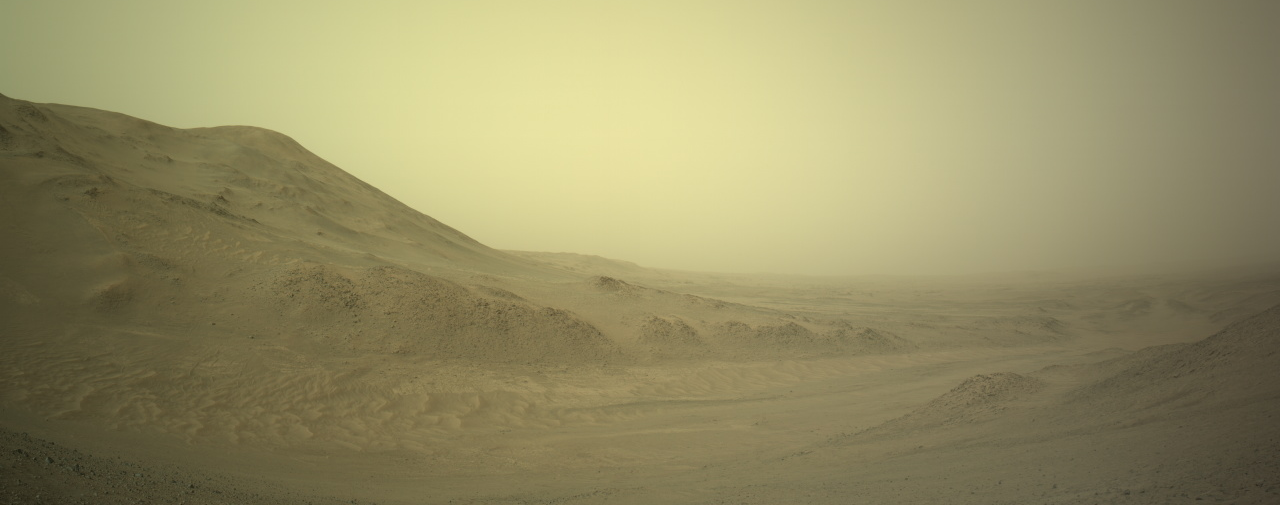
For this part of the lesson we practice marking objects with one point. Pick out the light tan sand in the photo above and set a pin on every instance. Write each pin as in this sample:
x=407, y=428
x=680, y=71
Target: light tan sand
x=218, y=316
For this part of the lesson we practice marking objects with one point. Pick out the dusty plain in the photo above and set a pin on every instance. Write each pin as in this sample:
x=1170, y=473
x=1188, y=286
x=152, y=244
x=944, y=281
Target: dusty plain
x=216, y=315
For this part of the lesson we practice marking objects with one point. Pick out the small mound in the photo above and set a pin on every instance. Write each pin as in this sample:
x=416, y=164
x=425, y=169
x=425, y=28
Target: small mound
x=610, y=284
x=113, y=297
x=866, y=340
x=787, y=335
x=977, y=399
x=664, y=333
x=984, y=390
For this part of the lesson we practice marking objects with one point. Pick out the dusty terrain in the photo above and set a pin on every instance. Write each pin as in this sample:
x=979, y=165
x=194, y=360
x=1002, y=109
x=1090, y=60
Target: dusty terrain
x=216, y=315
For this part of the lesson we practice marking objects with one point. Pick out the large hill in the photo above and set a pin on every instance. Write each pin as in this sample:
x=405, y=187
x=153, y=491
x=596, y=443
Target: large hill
x=119, y=221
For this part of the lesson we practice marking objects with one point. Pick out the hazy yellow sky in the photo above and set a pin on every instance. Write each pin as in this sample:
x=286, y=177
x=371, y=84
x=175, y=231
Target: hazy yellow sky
x=783, y=136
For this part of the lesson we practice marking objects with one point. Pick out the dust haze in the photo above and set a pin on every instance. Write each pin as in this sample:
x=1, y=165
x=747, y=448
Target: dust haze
x=809, y=137
x=579, y=253
x=218, y=315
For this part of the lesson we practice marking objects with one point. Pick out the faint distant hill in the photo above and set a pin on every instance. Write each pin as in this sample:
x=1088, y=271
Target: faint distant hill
x=586, y=263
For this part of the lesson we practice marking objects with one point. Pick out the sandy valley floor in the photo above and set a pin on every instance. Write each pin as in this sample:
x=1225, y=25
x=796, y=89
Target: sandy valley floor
x=218, y=316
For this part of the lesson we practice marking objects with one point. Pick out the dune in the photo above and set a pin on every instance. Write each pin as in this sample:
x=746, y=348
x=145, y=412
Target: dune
x=217, y=315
